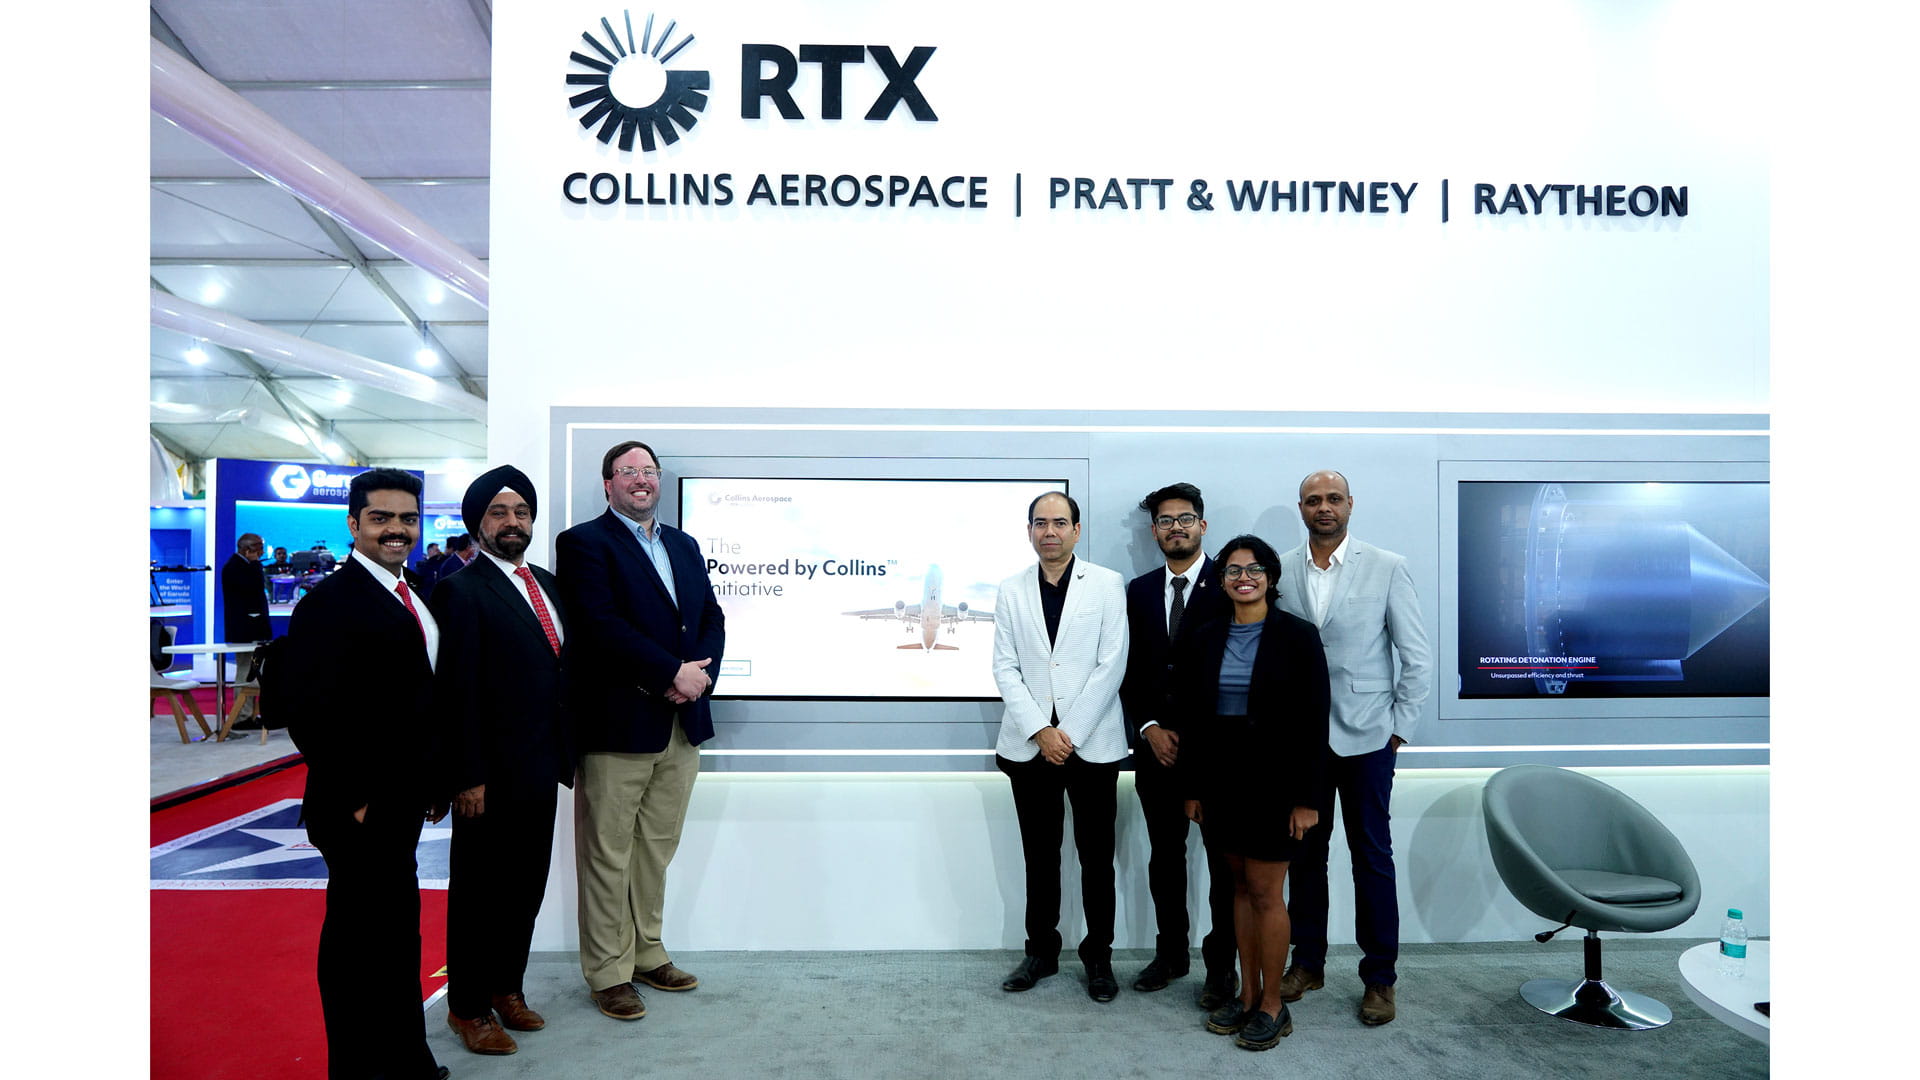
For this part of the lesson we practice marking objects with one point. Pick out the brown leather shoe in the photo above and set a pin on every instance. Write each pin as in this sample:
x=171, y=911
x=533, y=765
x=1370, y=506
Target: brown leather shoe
x=666, y=977
x=482, y=1036
x=1376, y=1007
x=1298, y=980
x=621, y=1002
x=514, y=1014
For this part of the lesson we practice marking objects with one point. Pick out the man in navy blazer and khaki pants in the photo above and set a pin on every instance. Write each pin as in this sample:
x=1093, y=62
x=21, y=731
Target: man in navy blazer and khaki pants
x=647, y=636
x=1362, y=599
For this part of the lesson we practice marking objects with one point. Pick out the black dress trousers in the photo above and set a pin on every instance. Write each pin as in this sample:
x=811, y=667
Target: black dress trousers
x=369, y=967
x=497, y=879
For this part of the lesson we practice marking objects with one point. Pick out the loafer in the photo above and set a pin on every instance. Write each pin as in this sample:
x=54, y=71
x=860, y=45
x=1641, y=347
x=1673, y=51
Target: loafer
x=514, y=1014
x=1220, y=988
x=1229, y=1018
x=1031, y=970
x=482, y=1036
x=666, y=977
x=1376, y=1007
x=1157, y=974
x=622, y=1002
x=1262, y=1032
x=1298, y=980
x=1101, y=985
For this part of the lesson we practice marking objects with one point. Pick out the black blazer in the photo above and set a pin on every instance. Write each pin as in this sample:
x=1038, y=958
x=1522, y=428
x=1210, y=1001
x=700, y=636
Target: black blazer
x=355, y=679
x=1146, y=692
x=500, y=687
x=1281, y=745
x=629, y=637
x=243, y=600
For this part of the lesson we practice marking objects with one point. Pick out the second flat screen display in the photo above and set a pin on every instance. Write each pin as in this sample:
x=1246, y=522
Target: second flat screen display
x=859, y=588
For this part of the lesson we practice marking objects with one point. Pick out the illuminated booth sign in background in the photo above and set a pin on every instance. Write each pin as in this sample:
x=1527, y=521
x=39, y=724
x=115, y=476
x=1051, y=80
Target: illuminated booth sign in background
x=292, y=505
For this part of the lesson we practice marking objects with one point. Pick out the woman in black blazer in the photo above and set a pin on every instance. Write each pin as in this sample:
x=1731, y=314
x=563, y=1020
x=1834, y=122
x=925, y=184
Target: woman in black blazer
x=1251, y=684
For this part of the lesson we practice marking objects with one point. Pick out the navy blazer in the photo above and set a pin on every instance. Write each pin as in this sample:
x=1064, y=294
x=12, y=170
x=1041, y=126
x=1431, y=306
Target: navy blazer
x=1280, y=747
x=1146, y=693
x=355, y=686
x=629, y=638
x=501, y=688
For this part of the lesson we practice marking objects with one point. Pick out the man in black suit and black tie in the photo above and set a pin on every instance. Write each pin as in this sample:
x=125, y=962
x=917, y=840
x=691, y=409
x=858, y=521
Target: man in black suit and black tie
x=243, y=600
x=648, y=635
x=357, y=675
x=507, y=749
x=1159, y=603
x=243, y=592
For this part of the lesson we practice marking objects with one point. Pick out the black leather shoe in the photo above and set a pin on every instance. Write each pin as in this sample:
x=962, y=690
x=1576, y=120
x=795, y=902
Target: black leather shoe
x=1101, y=985
x=1031, y=970
x=1229, y=1018
x=1262, y=1032
x=1157, y=974
x=1220, y=988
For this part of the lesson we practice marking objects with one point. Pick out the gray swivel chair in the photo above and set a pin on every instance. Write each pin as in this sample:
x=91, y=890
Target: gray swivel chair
x=1579, y=852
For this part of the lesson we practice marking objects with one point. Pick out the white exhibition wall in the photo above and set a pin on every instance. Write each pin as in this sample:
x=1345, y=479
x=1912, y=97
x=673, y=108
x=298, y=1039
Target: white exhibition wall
x=754, y=304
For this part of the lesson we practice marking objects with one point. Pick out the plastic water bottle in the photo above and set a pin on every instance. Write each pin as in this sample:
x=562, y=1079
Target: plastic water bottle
x=1733, y=945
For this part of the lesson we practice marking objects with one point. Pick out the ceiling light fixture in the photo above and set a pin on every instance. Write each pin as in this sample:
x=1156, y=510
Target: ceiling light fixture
x=196, y=356
x=426, y=357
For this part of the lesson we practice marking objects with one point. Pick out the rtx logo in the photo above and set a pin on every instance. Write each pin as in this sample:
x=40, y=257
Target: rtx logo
x=630, y=89
x=757, y=83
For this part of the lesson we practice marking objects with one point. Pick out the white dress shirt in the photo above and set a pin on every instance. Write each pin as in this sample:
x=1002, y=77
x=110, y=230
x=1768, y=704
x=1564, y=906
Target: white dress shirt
x=391, y=582
x=1320, y=582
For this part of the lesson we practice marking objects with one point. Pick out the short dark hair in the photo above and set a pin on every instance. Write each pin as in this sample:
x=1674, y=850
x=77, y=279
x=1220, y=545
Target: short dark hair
x=1072, y=507
x=619, y=451
x=1263, y=554
x=459, y=543
x=380, y=480
x=1151, y=504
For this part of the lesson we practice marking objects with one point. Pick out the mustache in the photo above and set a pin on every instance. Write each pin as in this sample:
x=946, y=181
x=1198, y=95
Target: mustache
x=509, y=533
x=384, y=537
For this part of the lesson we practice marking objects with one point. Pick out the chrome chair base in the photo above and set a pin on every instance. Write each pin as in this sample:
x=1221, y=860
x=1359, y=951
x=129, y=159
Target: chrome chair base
x=1593, y=1003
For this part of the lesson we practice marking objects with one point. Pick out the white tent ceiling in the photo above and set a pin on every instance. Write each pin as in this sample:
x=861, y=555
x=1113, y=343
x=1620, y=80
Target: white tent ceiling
x=397, y=92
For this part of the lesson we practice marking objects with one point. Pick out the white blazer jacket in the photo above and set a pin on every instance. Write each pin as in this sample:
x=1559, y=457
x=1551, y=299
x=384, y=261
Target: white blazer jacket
x=1078, y=675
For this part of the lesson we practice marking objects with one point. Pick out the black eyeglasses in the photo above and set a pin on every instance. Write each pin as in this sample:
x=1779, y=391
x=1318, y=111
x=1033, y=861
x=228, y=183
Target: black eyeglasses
x=1185, y=521
x=1236, y=571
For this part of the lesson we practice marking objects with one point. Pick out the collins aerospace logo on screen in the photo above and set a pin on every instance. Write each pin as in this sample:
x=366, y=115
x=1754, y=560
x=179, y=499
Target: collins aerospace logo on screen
x=629, y=87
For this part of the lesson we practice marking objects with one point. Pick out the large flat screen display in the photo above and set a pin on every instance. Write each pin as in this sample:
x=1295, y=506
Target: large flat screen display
x=838, y=588
x=1612, y=590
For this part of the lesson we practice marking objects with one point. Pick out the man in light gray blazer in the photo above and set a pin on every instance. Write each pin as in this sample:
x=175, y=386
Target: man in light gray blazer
x=1362, y=599
x=1059, y=653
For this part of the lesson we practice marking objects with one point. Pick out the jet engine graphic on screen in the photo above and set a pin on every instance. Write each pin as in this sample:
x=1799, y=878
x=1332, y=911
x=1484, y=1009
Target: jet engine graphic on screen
x=1603, y=589
x=929, y=615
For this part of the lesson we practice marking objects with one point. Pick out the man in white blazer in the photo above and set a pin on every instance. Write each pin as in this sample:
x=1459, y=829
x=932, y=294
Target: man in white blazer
x=1362, y=599
x=1059, y=653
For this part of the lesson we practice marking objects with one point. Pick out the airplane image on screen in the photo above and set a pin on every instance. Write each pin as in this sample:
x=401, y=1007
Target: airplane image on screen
x=928, y=615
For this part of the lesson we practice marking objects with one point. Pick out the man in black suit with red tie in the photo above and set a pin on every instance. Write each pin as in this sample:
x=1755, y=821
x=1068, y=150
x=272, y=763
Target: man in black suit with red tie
x=357, y=677
x=1159, y=603
x=507, y=750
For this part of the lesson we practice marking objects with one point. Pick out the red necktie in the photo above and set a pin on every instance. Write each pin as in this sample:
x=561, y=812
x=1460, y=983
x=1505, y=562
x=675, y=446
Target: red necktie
x=540, y=608
x=406, y=598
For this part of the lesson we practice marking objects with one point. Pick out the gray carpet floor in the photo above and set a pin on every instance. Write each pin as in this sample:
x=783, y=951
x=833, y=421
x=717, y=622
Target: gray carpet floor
x=879, y=1015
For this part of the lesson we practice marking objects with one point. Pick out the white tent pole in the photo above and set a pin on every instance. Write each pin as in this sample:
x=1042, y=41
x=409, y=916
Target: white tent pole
x=186, y=96
x=277, y=346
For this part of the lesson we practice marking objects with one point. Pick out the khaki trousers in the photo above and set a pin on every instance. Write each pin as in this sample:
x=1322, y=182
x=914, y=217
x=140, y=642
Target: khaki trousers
x=627, y=814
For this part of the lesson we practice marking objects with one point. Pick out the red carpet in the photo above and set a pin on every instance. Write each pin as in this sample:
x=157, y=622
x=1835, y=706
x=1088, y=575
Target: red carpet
x=233, y=961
